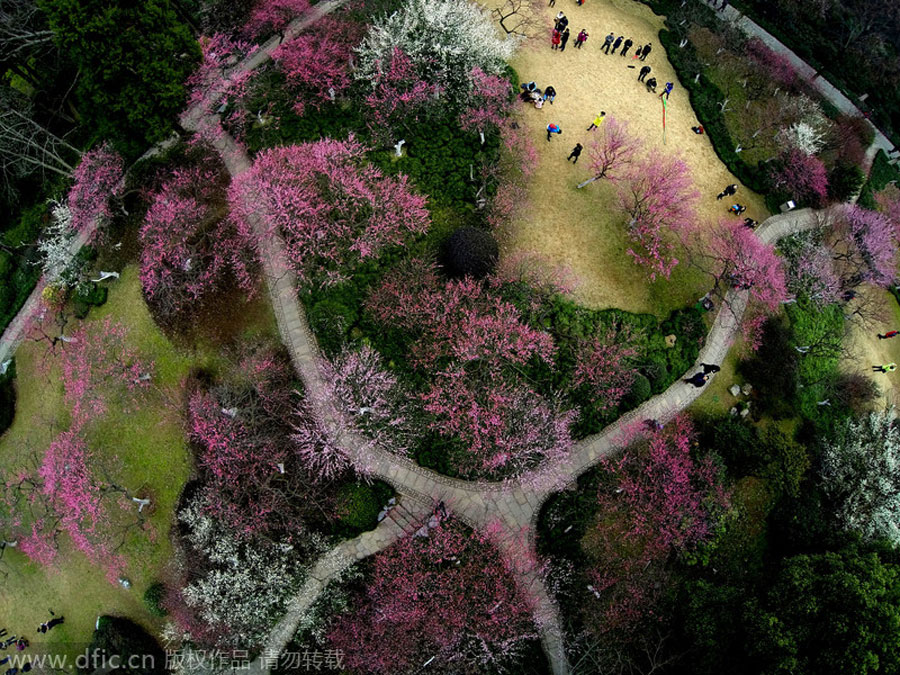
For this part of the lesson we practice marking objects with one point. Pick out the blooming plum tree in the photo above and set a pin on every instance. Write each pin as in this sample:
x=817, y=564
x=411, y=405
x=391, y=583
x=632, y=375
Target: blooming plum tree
x=273, y=16
x=332, y=209
x=602, y=369
x=399, y=97
x=802, y=175
x=449, y=595
x=95, y=182
x=611, y=151
x=864, y=245
x=659, y=196
x=317, y=62
x=190, y=249
x=488, y=102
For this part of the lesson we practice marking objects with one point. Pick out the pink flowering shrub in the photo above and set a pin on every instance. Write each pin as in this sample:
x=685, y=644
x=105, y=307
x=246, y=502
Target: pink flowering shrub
x=97, y=180
x=517, y=162
x=190, y=249
x=663, y=502
x=488, y=103
x=318, y=61
x=603, y=371
x=802, y=176
x=864, y=245
x=771, y=63
x=273, y=16
x=399, y=97
x=658, y=195
x=449, y=595
x=332, y=209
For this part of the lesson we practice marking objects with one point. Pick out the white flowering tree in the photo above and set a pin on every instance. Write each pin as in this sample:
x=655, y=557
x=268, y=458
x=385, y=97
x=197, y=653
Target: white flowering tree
x=861, y=475
x=245, y=585
x=54, y=245
x=445, y=39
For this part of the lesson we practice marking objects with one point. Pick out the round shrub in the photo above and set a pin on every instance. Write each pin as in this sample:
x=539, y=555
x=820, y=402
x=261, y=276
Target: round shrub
x=641, y=390
x=153, y=598
x=657, y=373
x=844, y=181
x=358, y=504
x=472, y=252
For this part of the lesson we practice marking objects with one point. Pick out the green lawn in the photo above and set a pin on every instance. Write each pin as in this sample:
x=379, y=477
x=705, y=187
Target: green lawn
x=147, y=447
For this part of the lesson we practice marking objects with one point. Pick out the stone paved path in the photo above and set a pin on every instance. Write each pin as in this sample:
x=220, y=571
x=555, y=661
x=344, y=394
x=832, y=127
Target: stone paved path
x=828, y=90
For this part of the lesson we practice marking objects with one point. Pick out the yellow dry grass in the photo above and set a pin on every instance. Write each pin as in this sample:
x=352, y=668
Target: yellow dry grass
x=582, y=229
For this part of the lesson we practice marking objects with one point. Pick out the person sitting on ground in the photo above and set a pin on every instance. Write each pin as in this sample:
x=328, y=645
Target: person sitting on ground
x=549, y=94
x=651, y=84
x=698, y=129
x=698, y=380
x=737, y=209
x=749, y=222
x=539, y=102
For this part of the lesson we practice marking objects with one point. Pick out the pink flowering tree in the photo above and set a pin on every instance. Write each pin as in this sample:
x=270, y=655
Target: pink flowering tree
x=864, y=245
x=812, y=272
x=96, y=182
x=449, y=595
x=474, y=345
x=658, y=195
x=273, y=17
x=771, y=64
x=735, y=257
x=802, y=176
x=254, y=480
x=604, y=370
x=399, y=97
x=662, y=503
x=332, y=209
x=488, y=102
x=509, y=176
x=889, y=204
x=611, y=151
x=190, y=249
x=317, y=62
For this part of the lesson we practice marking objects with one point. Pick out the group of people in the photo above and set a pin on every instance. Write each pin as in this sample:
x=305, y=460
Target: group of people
x=559, y=37
x=701, y=378
x=611, y=44
x=21, y=643
x=531, y=92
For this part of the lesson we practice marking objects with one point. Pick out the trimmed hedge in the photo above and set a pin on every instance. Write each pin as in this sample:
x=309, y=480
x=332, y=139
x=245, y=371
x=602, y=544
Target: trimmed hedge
x=153, y=598
x=881, y=174
x=7, y=397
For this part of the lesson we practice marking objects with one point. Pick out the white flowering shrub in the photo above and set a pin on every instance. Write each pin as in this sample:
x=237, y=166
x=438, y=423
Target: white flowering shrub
x=810, y=129
x=861, y=474
x=54, y=245
x=445, y=39
x=246, y=584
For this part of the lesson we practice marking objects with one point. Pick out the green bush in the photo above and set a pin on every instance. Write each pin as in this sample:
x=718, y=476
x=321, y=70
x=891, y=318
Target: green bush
x=153, y=598
x=87, y=296
x=881, y=174
x=844, y=181
x=359, y=504
x=470, y=251
x=7, y=397
x=772, y=370
x=641, y=390
x=122, y=638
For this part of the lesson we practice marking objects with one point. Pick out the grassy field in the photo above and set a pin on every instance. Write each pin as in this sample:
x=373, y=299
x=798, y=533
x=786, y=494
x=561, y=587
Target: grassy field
x=150, y=454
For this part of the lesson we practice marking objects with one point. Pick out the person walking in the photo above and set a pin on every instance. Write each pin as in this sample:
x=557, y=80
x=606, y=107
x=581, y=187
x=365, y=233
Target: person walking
x=564, y=38
x=645, y=70
x=558, y=19
x=598, y=120
x=667, y=90
x=626, y=46
x=737, y=209
x=888, y=335
x=617, y=43
x=709, y=368
x=637, y=54
x=728, y=191
x=651, y=84
x=552, y=3
x=581, y=38
x=554, y=39
x=607, y=42
x=646, y=52
x=698, y=380
x=553, y=128
x=549, y=94
x=576, y=153
x=886, y=368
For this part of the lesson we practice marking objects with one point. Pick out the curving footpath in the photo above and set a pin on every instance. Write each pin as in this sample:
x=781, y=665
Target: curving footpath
x=507, y=510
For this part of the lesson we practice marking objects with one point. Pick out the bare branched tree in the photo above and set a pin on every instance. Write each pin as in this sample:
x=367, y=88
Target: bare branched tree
x=519, y=17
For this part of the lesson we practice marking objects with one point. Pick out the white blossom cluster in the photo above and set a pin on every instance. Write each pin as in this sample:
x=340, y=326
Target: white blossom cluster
x=445, y=38
x=861, y=473
x=247, y=585
x=810, y=132
x=54, y=245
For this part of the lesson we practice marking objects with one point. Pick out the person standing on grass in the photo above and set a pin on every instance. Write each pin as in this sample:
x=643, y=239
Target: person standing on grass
x=581, y=38
x=646, y=51
x=554, y=39
x=651, y=84
x=644, y=72
x=559, y=18
x=617, y=43
x=667, y=90
x=637, y=54
x=886, y=368
x=728, y=191
x=598, y=120
x=607, y=43
x=626, y=46
x=564, y=38
x=549, y=94
x=553, y=128
x=552, y=3
x=576, y=153
x=888, y=335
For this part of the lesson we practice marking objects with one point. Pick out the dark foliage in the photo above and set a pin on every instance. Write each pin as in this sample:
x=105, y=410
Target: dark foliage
x=470, y=251
x=125, y=648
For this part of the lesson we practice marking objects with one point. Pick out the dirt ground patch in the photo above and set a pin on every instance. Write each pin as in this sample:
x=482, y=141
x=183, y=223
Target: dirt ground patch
x=865, y=350
x=581, y=228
